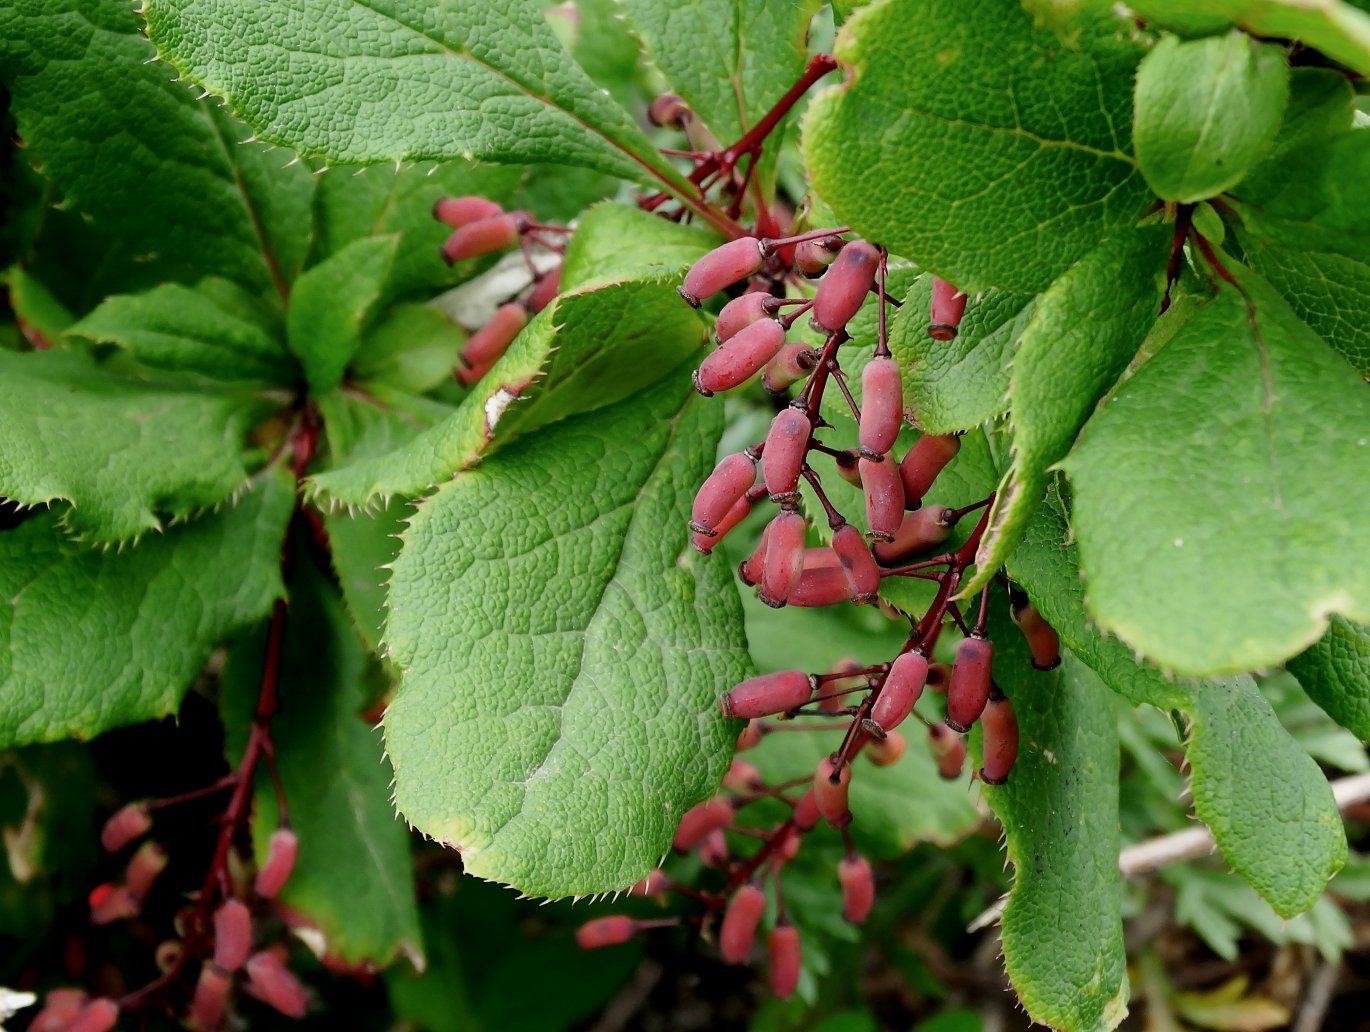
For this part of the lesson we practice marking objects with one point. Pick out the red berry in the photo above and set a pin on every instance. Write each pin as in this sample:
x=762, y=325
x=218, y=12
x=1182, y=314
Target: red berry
x=97, y=1016
x=939, y=676
x=739, y=313
x=782, y=950
x=806, y=813
x=783, y=456
x=970, y=682
x=903, y=685
x=948, y=750
x=783, y=564
x=211, y=996
x=721, y=491
x=128, y=823
x=749, y=737
x=830, y=791
x=823, y=586
x=884, y=498
x=739, y=358
x=721, y=267
x=1041, y=637
x=742, y=777
x=459, y=211
x=281, y=849
x=669, y=109
x=488, y=344
x=653, y=885
x=791, y=364
x=60, y=1007
x=844, y=288
x=858, y=887
x=927, y=458
x=705, y=542
x=767, y=694
x=699, y=820
x=544, y=290
x=110, y=903
x=270, y=982
x=605, y=931
x=918, y=530
x=713, y=851
x=232, y=934
x=945, y=311
x=1000, y=739
x=738, y=930
x=143, y=868
x=821, y=559
x=750, y=569
x=497, y=233
x=882, y=405
x=863, y=576
x=812, y=257
x=885, y=751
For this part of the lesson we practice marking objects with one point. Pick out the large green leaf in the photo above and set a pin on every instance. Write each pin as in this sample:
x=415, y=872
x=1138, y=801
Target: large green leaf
x=91, y=640
x=1335, y=673
x=975, y=144
x=570, y=715
x=125, y=453
x=1232, y=462
x=362, y=547
x=614, y=242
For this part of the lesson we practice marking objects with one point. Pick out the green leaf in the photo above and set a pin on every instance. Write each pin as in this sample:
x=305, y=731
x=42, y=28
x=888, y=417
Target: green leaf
x=142, y=620
x=403, y=80
x=1062, y=934
x=202, y=329
x=730, y=61
x=571, y=715
x=587, y=349
x=412, y=348
x=352, y=879
x=614, y=242
x=329, y=305
x=140, y=155
x=362, y=548
x=976, y=145
x=1206, y=112
x=1335, y=672
x=125, y=453
x=1082, y=332
x=1251, y=410
x=360, y=427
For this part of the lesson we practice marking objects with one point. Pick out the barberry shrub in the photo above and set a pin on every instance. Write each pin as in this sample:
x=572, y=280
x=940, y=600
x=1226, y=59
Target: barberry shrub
x=376, y=344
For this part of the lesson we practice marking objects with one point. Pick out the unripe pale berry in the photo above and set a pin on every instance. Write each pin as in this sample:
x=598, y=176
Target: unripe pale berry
x=824, y=586
x=927, y=458
x=783, y=564
x=739, y=358
x=721, y=267
x=903, y=685
x=884, y=498
x=970, y=683
x=668, y=109
x=497, y=233
x=144, y=867
x=269, y=980
x=460, y=211
x=738, y=930
x=1000, y=741
x=830, y=791
x=739, y=313
x=885, y=751
x=699, y=820
x=948, y=750
x=126, y=824
x=232, y=934
x=211, y=996
x=766, y=694
x=882, y=405
x=791, y=364
x=918, y=531
x=806, y=814
x=863, y=576
x=705, y=542
x=782, y=952
x=857, y=879
x=97, y=1016
x=489, y=343
x=721, y=490
x=812, y=257
x=844, y=288
x=783, y=455
x=1041, y=637
x=281, y=849
x=545, y=289
x=945, y=311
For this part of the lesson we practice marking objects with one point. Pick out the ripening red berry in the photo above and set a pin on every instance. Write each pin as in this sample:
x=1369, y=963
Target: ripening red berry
x=721, y=267
x=843, y=290
x=742, y=777
x=783, y=564
x=863, y=576
x=545, y=289
x=653, y=885
x=699, y=820
x=109, y=903
x=97, y=1016
x=939, y=676
x=713, y=851
x=488, y=344
x=856, y=678
x=812, y=257
x=766, y=694
x=739, y=313
x=60, y=1007
x=705, y=542
x=667, y=110
x=605, y=931
x=750, y=569
x=739, y=358
x=927, y=458
x=791, y=364
x=857, y=879
x=782, y=951
x=885, y=751
x=945, y=311
x=232, y=934
x=884, y=498
x=903, y=685
x=948, y=750
x=721, y=490
x=127, y=823
x=281, y=849
x=806, y=813
x=211, y=996
x=275, y=986
x=918, y=531
x=148, y=862
x=738, y=930
x=497, y=233
x=970, y=681
x=459, y=211
x=822, y=586
x=830, y=791
x=750, y=736
x=1000, y=743
x=783, y=455
x=882, y=406
x=821, y=559
x=1041, y=637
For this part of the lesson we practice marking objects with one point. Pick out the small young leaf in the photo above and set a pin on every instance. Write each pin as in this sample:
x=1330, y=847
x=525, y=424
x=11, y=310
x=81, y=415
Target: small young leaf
x=614, y=242
x=1335, y=672
x=411, y=348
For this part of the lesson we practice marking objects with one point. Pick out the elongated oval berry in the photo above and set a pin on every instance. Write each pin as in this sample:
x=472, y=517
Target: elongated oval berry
x=921, y=464
x=857, y=879
x=705, y=542
x=60, y=1007
x=824, y=586
x=742, y=777
x=806, y=814
x=783, y=564
x=882, y=405
x=821, y=559
x=885, y=751
x=884, y=498
x=968, y=690
x=270, y=982
x=148, y=862
x=699, y=820
x=1000, y=728
x=750, y=736
x=211, y=996
x=281, y=848
x=791, y=364
x=843, y=290
x=918, y=531
x=460, y=211
x=782, y=953
x=109, y=903
x=1041, y=637
x=903, y=685
x=948, y=750
x=488, y=344
x=605, y=931
x=783, y=455
x=721, y=490
x=739, y=358
x=126, y=824
x=739, y=313
x=497, y=233
x=97, y=1016
x=232, y=934
x=945, y=311
x=788, y=846
x=738, y=930
x=713, y=851
x=750, y=569
x=812, y=257
x=545, y=289
x=653, y=885
x=721, y=267
x=766, y=694
x=830, y=791
x=863, y=576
